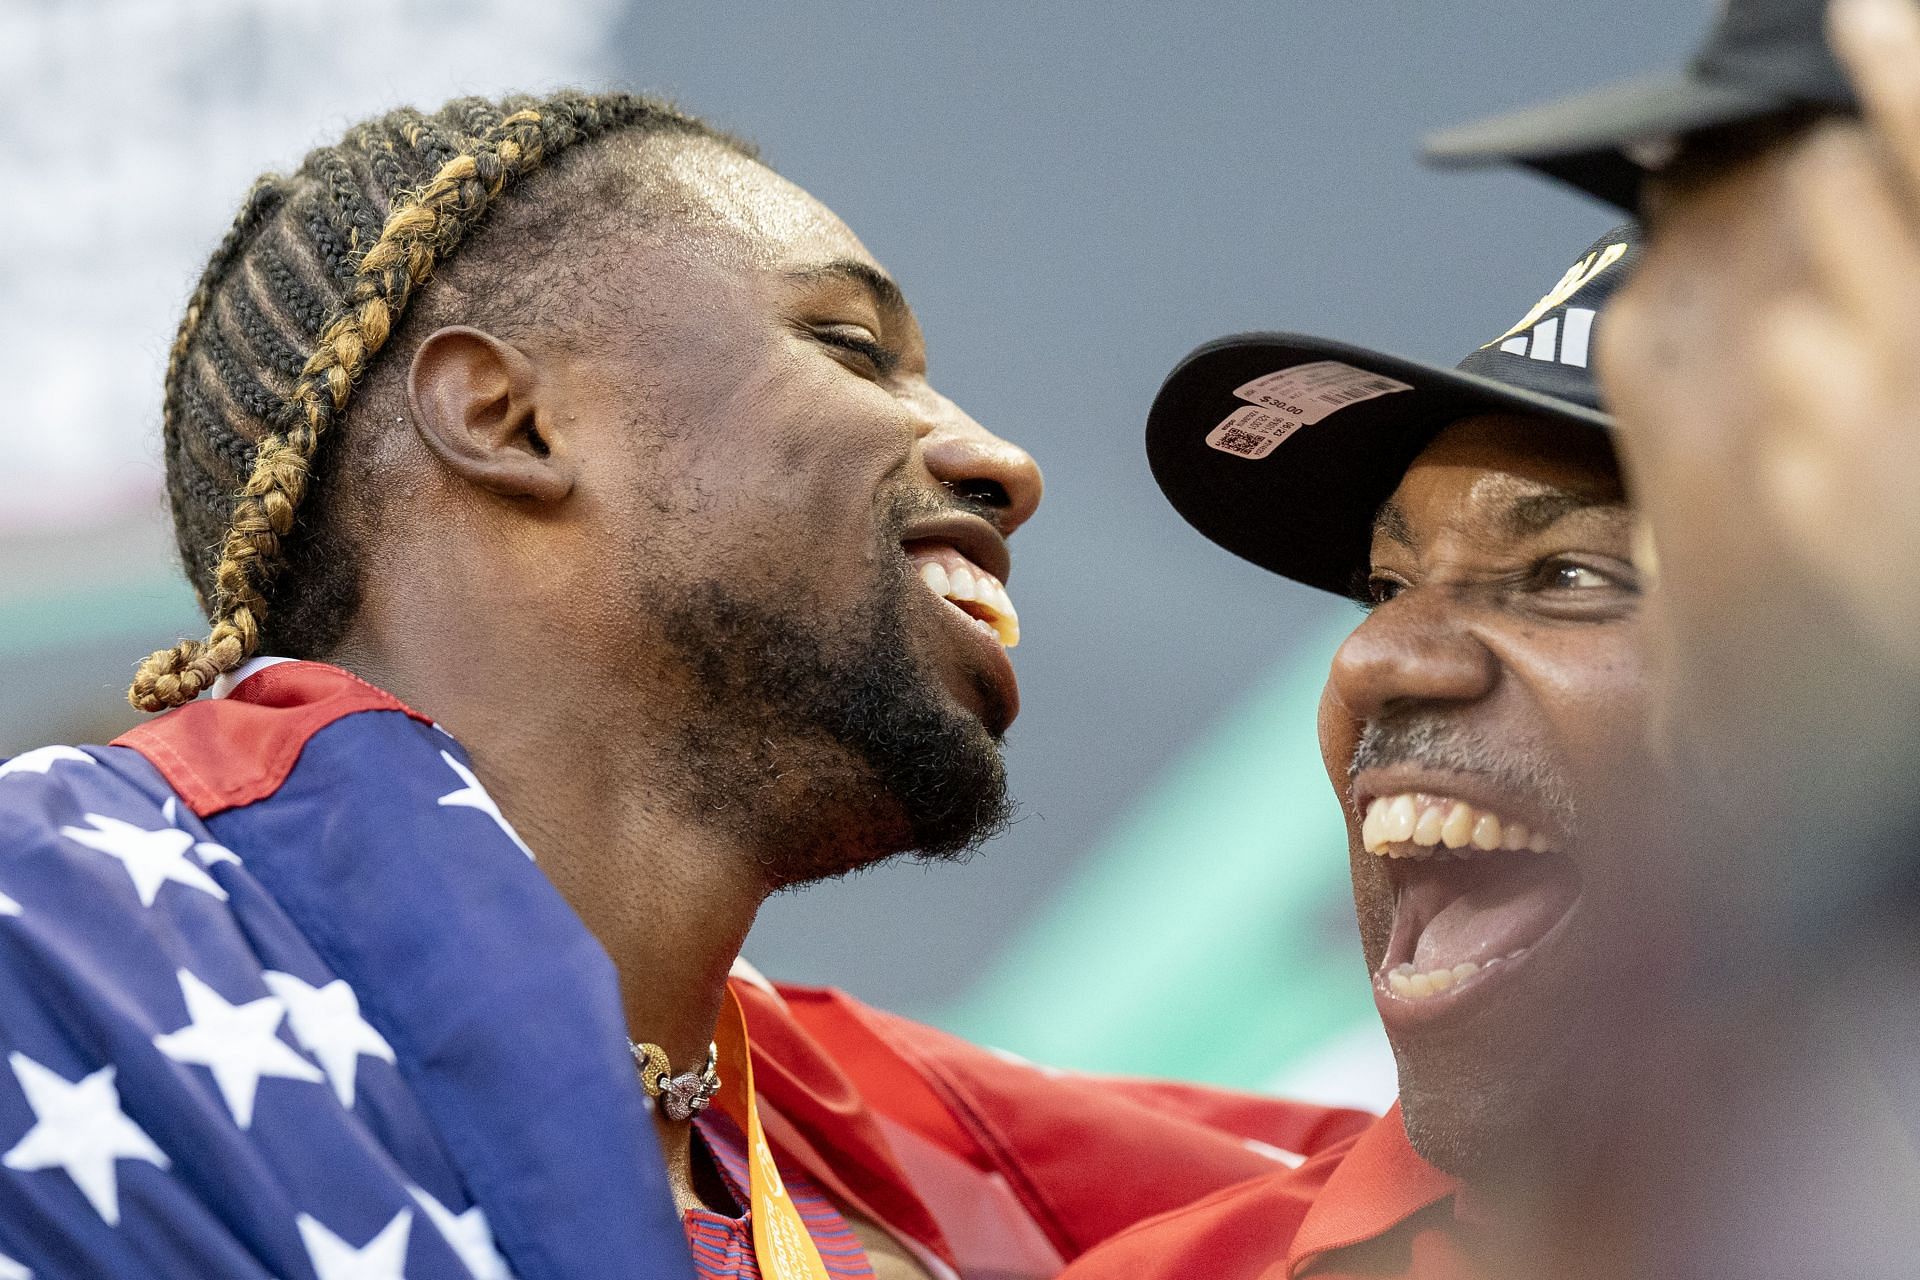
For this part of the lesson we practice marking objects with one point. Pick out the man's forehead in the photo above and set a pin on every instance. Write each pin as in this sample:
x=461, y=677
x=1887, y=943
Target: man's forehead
x=1494, y=504
x=776, y=222
x=1501, y=476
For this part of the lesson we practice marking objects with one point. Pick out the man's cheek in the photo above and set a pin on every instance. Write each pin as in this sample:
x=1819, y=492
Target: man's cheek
x=1338, y=737
x=1663, y=683
x=1372, y=901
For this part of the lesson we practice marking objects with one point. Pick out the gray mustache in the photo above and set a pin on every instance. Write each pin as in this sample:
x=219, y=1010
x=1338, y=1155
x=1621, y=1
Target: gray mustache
x=1430, y=742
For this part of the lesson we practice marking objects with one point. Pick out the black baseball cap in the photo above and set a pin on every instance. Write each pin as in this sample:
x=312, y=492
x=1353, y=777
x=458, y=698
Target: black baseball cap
x=1763, y=58
x=1282, y=447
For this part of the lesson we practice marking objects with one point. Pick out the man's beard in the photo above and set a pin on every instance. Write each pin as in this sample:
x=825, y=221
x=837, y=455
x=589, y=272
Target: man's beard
x=822, y=742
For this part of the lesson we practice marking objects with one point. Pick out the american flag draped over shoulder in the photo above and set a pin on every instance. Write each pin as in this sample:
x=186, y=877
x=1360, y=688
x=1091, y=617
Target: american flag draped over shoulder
x=282, y=994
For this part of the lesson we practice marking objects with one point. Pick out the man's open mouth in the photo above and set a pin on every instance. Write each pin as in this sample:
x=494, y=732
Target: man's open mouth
x=966, y=587
x=1475, y=890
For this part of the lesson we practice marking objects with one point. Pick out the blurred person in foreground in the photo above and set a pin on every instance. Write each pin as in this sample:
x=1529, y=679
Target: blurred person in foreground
x=1492, y=698
x=1765, y=366
x=587, y=557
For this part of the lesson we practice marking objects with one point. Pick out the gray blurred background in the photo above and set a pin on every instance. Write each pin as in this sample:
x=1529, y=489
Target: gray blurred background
x=1072, y=195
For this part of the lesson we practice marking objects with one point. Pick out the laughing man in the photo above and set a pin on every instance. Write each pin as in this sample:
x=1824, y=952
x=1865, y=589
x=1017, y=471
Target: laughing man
x=587, y=556
x=1490, y=698
x=1762, y=365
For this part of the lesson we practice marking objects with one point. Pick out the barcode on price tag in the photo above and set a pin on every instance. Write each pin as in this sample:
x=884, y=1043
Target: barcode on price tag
x=1251, y=433
x=1309, y=392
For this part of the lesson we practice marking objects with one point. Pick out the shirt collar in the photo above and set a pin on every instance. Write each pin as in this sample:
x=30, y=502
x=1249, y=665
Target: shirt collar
x=223, y=686
x=1380, y=1183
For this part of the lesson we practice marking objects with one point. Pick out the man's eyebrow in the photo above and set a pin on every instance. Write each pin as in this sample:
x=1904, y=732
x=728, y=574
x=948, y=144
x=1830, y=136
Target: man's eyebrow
x=1538, y=512
x=1391, y=523
x=886, y=294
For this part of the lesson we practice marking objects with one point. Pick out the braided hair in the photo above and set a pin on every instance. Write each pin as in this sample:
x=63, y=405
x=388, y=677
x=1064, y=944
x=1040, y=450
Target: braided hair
x=291, y=315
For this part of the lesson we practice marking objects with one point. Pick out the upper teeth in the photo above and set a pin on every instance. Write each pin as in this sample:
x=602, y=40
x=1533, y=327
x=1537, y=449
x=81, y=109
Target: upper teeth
x=1402, y=826
x=975, y=586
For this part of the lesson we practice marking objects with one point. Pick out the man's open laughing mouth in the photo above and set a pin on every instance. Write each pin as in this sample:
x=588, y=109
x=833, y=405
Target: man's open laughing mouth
x=976, y=594
x=1478, y=883
x=962, y=562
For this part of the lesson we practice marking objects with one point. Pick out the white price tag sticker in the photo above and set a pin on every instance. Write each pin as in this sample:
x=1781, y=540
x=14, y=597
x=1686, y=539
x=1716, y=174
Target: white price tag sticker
x=1251, y=432
x=1309, y=392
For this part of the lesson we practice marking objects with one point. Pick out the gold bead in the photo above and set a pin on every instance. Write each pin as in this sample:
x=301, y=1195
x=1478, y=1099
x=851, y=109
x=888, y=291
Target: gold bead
x=654, y=1067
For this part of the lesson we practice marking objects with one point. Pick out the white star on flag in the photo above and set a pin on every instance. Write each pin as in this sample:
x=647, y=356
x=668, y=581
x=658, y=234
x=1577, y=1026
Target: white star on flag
x=41, y=759
x=79, y=1127
x=11, y=1270
x=474, y=796
x=8, y=907
x=151, y=857
x=468, y=1235
x=209, y=852
x=237, y=1042
x=327, y=1023
x=381, y=1258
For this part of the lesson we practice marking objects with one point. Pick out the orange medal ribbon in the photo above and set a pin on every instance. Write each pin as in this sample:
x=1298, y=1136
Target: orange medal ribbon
x=780, y=1241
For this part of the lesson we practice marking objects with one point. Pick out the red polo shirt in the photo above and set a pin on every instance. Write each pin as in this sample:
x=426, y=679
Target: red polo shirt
x=993, y=1166
x=1368, y=1207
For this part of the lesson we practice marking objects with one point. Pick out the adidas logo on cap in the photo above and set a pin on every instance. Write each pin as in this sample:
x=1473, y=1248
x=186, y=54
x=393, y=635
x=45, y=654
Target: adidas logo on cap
x=1548, y=341
x=1554, y=340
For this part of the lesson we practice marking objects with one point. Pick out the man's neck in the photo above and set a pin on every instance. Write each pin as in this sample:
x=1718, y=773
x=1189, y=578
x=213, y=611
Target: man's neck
x=593, y=794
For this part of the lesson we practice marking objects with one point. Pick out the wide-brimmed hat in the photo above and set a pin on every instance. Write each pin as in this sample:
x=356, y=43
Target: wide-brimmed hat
x=1762, y=58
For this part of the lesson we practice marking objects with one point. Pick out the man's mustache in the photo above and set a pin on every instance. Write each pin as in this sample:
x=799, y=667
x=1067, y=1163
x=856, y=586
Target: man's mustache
x=1430, y=742
x=911, y=504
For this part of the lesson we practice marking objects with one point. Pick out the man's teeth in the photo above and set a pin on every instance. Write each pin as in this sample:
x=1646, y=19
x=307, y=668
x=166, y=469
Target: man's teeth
x=981, y=590
x=1407, y=825
x=1408, y=984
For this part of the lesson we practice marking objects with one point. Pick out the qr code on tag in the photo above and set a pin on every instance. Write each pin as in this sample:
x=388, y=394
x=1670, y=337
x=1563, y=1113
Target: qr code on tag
x=1234, y=440
x=1245, y=444
x=1249, y=432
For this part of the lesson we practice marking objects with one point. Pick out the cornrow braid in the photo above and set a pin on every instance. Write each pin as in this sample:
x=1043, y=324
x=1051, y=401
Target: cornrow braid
x=293, y=310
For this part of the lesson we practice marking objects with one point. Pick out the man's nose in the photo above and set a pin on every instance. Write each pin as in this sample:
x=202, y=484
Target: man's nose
x=978, y=465
x=1416, y=650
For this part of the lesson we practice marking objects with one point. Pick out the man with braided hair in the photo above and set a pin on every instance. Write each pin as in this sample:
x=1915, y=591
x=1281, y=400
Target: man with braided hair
x=587, y=556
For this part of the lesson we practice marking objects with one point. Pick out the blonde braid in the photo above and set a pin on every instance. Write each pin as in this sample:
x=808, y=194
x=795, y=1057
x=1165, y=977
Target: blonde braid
x=421, y=228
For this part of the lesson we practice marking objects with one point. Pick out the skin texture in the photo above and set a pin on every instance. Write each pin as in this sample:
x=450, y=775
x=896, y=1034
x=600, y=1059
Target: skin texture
x=582, y=536
x=1517, y=651
x=1761, y=366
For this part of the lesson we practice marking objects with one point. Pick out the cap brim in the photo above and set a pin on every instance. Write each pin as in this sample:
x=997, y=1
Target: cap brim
x=1585, y=140
x=1306, y=509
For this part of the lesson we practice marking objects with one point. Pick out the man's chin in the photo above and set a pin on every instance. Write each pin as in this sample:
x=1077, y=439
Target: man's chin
x=1505, y=1129
x=1472, y=1138
x=856, y=820
x=829, y=748
x=955, y=822
x=937, y=763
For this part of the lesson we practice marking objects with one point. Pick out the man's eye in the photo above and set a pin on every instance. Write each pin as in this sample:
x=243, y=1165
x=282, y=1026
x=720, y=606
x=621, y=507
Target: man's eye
x=1381, y=588
x=862, y=343
x=1567, y=575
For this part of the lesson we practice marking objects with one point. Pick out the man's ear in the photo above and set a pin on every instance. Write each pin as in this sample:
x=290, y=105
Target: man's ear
x=476, y=405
